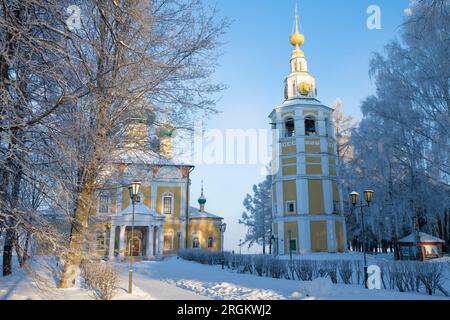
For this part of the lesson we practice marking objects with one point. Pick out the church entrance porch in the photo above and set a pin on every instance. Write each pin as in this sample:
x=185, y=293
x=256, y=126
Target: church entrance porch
x=136, y=246
x=146, y=242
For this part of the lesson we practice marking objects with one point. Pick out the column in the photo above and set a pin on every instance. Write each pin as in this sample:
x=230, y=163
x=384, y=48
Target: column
x=154, y=192
x=112, y=238
x=328, y=196
x=160, y=240
x=122, y=242
x=304, y=236
x=331, y=235
x=150, y=242
x=344, y=234
x=281, y=237
x=182, y=243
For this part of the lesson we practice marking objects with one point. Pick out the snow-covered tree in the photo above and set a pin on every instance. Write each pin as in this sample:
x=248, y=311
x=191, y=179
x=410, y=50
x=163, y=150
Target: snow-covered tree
x=257, y=216
x=402, y=145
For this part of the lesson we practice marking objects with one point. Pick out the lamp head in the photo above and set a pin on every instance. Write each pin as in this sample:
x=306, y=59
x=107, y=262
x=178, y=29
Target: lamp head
x=368, y=195
x=354, y=197
x=133, y=189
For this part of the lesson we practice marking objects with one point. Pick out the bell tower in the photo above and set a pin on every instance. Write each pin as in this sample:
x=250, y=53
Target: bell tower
x=307, y=200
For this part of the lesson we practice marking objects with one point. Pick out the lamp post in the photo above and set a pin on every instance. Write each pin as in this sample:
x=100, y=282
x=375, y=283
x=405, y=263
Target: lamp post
x=368, y=195
x=272, y=245
x=290, y=247
x=223, y=227
x=133, y=190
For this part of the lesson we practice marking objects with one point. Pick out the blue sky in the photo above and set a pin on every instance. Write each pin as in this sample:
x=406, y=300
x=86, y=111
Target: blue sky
x=255, y=61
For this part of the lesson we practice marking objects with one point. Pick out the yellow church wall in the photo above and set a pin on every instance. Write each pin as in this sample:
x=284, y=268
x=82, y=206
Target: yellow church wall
x=335, y=189
x=314, y=112
x=275, y=230
x=125, y=198
x=294, y=235
x=274, y=194
x=147, y=195
x=313, y=165
x=289, y=161
x=176, y=199
x=315, y=196
x=289, y=150
x=312, y=145
x=318, y=231
x=175, y=227
x=289, y=170
x=205, y=230
x=340, y=245
x=289, y=193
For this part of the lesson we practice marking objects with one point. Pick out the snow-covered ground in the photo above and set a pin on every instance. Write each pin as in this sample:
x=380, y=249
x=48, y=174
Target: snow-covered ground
x=176, y=279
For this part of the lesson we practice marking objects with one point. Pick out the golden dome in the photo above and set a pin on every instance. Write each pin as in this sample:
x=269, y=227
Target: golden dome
x=297, y=39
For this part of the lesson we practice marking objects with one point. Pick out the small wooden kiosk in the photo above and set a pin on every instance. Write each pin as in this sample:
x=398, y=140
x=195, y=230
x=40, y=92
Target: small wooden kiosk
x=430, y=247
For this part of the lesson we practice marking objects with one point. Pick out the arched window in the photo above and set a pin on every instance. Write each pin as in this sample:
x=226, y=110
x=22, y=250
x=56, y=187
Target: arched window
x=100, y=239
x=195, y=243
x=195, y=240
x=167, y=200
x=289, y=127
x=310, y=126
x=210, y=242
x=168, y=239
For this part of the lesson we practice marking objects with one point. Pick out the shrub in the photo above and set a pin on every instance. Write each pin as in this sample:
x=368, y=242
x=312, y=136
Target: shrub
x=101, y=278
x=277, y=268
x=304, y=269
x=430, y=274
x=345, y=271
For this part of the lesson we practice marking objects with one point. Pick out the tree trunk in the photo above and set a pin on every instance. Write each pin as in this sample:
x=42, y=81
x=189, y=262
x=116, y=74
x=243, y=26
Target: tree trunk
x=77, y=237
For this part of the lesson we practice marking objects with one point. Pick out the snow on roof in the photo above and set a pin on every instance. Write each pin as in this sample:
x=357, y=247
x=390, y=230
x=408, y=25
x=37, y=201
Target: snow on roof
x=196, y=213
x=424, y=237
x=140, y=208
x=148, y=157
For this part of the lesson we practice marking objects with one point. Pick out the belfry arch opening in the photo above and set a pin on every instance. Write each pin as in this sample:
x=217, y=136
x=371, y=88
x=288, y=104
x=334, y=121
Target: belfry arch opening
x=289, y=127
x=310, y=126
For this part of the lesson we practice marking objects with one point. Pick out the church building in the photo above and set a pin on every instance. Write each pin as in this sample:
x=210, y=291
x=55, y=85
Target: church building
x=307, y=200
x=164, y=220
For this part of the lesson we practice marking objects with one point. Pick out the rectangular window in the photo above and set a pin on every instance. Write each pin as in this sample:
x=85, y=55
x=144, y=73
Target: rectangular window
x=336, y=207
x=167, y=205
x=210, y=242
x=290, y=207
x=103, y=206
x=293, y=245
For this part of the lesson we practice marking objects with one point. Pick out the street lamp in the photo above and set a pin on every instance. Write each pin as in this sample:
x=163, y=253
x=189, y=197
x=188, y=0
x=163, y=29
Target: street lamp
x=223, y=227
x=133, y=190
x=272, y=244
x=368, y=196
x=290, y=247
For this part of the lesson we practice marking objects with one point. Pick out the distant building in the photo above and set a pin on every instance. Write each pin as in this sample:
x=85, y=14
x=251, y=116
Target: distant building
x=430, y=247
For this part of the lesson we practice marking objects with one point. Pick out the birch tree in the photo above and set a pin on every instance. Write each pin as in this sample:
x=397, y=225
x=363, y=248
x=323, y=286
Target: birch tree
x=402, y=145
